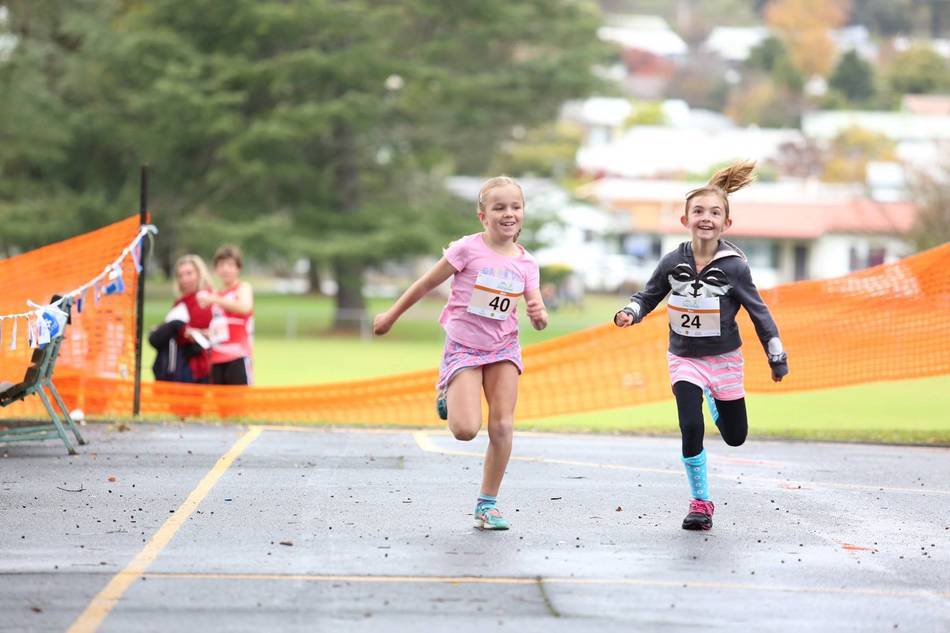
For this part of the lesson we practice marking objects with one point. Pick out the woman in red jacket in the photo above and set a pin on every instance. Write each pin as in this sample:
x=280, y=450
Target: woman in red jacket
x=182, y=342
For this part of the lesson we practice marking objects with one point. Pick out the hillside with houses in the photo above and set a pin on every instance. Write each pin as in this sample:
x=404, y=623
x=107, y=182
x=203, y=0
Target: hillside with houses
x=852, y=146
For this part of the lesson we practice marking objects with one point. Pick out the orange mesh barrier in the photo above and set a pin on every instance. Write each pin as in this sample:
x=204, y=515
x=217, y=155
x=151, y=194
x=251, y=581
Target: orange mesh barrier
x=884, y=323
x=97, y=360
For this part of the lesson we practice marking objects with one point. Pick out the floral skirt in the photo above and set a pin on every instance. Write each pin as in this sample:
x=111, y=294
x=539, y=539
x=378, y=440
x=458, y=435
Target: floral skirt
x=456, y=357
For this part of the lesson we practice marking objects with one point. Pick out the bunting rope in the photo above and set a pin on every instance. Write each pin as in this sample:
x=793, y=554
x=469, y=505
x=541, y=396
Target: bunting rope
x=112, y=271
x=92, y=273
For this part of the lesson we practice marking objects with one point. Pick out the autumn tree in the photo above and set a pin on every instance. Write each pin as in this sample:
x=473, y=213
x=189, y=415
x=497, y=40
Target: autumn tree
x=850, y=152
x=804, y=26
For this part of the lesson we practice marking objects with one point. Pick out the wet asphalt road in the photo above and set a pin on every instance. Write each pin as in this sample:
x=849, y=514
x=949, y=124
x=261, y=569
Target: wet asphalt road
x=218, y=528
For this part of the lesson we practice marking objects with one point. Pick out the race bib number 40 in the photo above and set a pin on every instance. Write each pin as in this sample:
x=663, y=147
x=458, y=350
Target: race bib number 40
x=694, y=316
x=494, y=298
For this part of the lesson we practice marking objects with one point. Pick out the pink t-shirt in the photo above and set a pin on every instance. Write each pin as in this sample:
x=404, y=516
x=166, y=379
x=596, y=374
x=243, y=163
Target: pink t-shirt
x=481, y=309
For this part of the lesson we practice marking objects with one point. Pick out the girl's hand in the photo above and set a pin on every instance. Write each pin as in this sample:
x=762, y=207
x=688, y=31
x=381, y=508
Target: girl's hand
x=779, y=365
x=205, y=298
x=537, y=313
x=622, y=319
x=382, y=323
x=540, y=322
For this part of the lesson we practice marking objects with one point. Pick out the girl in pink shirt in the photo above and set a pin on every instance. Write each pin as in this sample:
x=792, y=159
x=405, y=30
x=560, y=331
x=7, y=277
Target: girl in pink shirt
x=490, y=271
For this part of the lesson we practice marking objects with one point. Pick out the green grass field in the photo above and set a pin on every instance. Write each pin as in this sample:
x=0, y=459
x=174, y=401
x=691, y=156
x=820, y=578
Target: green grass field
x=293, y=347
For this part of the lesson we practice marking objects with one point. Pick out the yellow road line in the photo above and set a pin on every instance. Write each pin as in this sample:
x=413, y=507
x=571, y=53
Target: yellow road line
x=425, y=443
x=91, y=619
x=293, y=428
x=555, y=580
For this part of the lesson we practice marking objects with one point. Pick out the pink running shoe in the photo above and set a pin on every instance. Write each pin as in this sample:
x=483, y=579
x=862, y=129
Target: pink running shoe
x=700, y=515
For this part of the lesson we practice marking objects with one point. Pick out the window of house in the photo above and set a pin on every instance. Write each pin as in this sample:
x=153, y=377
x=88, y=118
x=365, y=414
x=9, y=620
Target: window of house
x=860, y=259
x=761, y=253
x=642, y=247
x=800, y=255
x=876, y=255
x=855, y=261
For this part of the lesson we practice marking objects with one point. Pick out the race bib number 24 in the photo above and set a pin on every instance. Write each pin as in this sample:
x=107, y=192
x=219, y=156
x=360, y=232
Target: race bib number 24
x=694, y=316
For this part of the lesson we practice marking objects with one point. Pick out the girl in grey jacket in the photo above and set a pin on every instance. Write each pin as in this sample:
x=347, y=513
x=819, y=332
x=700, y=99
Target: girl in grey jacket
x=707, y=280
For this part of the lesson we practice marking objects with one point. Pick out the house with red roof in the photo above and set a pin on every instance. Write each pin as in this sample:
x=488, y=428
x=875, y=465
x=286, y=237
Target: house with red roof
x=788, y=230
x=649, y=52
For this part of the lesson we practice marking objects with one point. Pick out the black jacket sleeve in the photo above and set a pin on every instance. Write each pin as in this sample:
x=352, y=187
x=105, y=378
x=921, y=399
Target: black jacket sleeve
x=165, y=332
x=750, y=299
x=656, y=289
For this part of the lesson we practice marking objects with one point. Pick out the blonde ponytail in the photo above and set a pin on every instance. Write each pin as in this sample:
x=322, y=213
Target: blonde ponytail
x=734, y=177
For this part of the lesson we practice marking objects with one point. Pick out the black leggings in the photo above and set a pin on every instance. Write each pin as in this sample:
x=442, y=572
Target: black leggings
x=733, y=422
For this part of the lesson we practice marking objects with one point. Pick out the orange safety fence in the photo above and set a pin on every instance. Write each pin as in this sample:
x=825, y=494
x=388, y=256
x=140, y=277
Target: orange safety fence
x=889, y=322
x=884, y=323
x=97, y=359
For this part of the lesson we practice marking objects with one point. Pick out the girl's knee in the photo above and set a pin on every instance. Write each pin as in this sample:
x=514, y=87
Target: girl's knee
x=735, y=441
x=733, y=434
x=465, y=434
x=501, y=428
x=464, y=430
x=733, y=421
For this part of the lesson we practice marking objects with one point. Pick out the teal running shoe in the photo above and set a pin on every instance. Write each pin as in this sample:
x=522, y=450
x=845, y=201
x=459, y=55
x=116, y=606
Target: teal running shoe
x=487, y=517
x=441, y=405
x=711, y=403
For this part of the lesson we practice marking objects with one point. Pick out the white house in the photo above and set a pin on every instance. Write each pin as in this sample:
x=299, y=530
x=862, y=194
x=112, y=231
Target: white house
x=856, y=38
x=922, y=140
x=602, y=118
x=649, y=33
x=649, y=52
x=899, y=126
x=605, y=119
x=656, y=151
x=941, y=46
x=734, y=43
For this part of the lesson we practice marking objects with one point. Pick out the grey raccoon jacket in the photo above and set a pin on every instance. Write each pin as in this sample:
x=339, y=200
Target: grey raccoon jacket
x=727, y=277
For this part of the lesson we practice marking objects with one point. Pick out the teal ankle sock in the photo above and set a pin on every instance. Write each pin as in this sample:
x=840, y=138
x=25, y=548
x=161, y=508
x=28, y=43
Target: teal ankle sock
x=486, y=500
x=696, y=474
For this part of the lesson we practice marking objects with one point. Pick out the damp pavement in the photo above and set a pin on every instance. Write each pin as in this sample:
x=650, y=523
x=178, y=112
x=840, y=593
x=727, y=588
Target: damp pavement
x=227, y=528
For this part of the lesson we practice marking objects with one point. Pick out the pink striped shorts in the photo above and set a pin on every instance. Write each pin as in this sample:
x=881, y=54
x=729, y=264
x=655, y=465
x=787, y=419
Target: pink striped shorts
x=723, y=373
